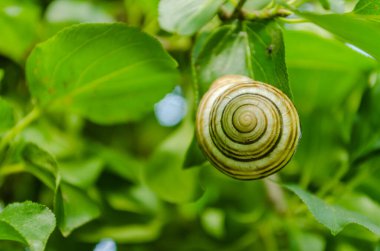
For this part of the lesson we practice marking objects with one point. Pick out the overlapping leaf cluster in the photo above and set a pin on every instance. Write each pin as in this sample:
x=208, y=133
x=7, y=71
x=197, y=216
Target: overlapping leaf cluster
x=78, y=133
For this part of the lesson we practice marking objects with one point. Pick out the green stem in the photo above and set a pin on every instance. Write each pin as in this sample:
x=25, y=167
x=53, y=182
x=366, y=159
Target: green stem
x=19, y=127
x=238, y=8
x=334, y=181
x=293, y=20
x=306, y=177
x=266, y=14
x=270, y=11
x=276, y=195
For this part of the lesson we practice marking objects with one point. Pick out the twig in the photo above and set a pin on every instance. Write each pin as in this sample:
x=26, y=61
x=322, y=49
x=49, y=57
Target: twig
x=238, y=8
x=276, y=195
x=19, y=127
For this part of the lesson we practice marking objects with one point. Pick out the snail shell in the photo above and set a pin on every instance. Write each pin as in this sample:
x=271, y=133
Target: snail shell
x=247, y=129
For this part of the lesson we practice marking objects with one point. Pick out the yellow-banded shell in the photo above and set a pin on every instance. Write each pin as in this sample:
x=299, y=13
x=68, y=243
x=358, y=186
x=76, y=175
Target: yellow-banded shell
x=247, y=129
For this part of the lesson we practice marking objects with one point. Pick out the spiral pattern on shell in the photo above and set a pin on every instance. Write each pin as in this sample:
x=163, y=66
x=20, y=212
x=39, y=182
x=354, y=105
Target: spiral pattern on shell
x=247, y=129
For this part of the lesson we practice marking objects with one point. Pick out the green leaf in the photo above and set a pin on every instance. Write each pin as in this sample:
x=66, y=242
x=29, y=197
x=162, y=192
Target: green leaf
x=327, y=79
x=121, y=163
x=358, y=25
x=164, y=173
x=367, y=7
x=363, y=204
x=73, y=11
x=19, y=21
x=187, y=17
x=117, y=73
x=146, y=10
x=73, y=207
x=213, y=222
x=81, y=173
x=333, y=217
x=319, y=62
x=62, y=142
x=325, y=4
x=28, y=222
x=253, y=49
x=40, y=164
x=132, y=233
x=255, y=5
x=302, y=240
x=377, y=248
x=194, y=156
x=365, y=137
x=1, y=75
x=137, y=199
x=6, y=116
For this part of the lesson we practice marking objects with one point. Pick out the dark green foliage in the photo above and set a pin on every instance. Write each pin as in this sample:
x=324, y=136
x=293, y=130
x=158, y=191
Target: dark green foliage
x=79, y=81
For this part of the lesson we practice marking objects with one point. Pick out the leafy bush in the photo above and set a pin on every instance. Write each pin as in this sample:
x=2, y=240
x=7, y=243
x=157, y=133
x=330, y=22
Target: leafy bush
x=97, y=115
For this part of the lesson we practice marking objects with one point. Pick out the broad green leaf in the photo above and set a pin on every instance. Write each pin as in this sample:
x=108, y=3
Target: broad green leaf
x=194, y=156
x=142, y=13
x=253, y=49
x=19, y=23
x=327, y=80
x=325, y=4
x=302, y=240
x=363, y=204
x=28, y=222
x=367, y=7
x=1, y=75
x=45, y=134
x=164, y=173
x=137, y=199
x=187, y=17
x=358, y=25
x=60, y=14
x=256, y=5
x=213, y=221
x=6, y=116
x=369, y=173
x=117, y=73
x=121, y=163
x=322, y=72
x=81, y=173
x=333, y=217
x=41, y=164
x=365, y=138
x=74, y=11
x=132, y=233
x=73, y=207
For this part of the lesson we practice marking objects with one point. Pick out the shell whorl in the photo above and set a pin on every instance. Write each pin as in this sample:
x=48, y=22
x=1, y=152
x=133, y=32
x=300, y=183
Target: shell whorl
x=247, y=129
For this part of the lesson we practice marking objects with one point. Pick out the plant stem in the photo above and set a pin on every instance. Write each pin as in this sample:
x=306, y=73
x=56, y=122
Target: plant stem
x=293, y=20
x=334, y=181
x=356, y=181
x=270, y=11
x=19, y=127
x=266, y=14
x=276, y=195
x=238, y=7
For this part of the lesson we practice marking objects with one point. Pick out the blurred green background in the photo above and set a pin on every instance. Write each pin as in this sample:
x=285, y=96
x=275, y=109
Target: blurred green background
x=140, y=196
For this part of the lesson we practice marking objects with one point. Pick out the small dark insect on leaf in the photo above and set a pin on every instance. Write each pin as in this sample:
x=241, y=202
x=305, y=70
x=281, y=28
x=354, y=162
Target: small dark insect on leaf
x=270, y=49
